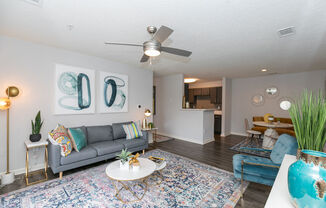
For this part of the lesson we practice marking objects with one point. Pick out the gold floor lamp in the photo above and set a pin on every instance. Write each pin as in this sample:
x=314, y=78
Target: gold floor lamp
x=5, y=103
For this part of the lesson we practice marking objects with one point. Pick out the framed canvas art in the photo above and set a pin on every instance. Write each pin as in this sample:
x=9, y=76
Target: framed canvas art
x=113, y=92
x=74, y=90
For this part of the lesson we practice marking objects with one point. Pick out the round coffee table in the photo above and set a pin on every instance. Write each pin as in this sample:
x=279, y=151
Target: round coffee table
x=119, y=176
x=159, y=168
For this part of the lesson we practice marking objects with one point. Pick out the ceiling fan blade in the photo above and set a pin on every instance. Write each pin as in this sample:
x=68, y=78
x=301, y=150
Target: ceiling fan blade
x=125, y=44
x=144, y=58
x=176, y=51
x=162, y=34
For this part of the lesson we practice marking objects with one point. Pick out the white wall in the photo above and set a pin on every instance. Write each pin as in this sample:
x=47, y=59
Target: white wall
x=31, y=67
x=289, y=85
x=226, y=106
x=172, y=120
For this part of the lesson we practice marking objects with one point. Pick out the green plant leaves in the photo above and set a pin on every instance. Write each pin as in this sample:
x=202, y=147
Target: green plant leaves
x=308, y=115
x=37, y=124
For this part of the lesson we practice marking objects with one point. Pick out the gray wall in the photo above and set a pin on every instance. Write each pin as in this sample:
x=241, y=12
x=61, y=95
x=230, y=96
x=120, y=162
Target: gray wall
x=190, y=125
x=289, y=85
x=31, y=67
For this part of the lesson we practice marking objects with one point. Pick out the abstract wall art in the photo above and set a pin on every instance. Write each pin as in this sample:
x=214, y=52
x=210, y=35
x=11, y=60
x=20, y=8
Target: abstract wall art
x=74, y=90
x=113, y=93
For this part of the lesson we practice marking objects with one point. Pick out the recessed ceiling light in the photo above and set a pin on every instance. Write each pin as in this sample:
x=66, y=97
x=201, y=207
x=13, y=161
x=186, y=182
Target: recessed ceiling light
x=190, y=80
x=264, y=70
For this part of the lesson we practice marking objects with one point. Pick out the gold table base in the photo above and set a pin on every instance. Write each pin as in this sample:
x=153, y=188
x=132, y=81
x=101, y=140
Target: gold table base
x=142, y=184
x=27, y=173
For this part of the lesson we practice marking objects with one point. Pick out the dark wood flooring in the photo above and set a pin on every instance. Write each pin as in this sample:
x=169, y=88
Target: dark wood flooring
x=216, y=153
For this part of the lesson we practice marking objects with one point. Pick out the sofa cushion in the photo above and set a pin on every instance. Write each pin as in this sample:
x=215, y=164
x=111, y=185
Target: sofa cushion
x=107, y=147
x=259, y=171
x=84, y=154
x=132, y=131
x=118, y=131
x=99, y=133
x=83, y=128
x=78, y=138
x=131, y=143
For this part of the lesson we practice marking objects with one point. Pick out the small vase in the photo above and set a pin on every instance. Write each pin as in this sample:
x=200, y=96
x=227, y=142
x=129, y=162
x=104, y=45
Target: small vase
x=124, y=166
x=35, y=137
x=307, y=179
x=136, y=167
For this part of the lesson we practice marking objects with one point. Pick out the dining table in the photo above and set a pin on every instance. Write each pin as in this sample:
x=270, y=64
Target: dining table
x=271, y=135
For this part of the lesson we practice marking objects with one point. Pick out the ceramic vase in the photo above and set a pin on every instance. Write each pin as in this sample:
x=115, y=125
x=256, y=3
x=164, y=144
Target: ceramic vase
x=307, y=179
x=124, y=166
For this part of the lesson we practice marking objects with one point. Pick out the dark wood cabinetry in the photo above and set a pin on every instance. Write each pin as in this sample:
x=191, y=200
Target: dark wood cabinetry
x=197, y=91
x=191, y=96
x=205, y=91
x=214, y=93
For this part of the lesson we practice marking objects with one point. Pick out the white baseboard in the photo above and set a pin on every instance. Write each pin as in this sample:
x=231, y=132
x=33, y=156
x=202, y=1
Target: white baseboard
x=239, y=134
x=181, y=138
x=209, y=140
x=22, y=170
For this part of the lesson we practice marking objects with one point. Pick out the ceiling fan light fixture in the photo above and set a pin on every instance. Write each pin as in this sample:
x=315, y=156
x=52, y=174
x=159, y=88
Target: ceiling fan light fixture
x=152, y=52
x=152, y=48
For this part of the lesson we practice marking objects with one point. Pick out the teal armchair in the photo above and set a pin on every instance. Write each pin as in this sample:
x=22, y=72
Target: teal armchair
x=264, y=170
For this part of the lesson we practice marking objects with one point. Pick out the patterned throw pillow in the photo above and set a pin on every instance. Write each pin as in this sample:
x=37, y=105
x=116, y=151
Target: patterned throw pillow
x=78, y=138
x=59, y=136
x=132, y=131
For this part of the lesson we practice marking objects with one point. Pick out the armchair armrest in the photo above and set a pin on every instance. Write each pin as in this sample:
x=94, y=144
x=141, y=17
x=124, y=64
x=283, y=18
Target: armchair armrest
x=255, y=149
x=54, y=155
x=257, y=163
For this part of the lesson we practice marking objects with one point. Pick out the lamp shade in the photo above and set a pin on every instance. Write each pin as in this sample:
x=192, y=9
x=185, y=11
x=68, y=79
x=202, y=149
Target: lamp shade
x=148, y=113
x=12, y=91
x=4, y=103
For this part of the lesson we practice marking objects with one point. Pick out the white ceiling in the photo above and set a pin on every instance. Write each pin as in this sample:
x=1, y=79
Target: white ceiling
x=232, y=38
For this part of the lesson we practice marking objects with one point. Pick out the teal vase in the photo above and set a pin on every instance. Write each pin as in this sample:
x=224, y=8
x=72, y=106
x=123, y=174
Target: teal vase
x=307, y=180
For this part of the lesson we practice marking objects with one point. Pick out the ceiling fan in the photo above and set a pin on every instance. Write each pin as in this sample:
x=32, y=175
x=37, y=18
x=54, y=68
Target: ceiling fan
x=153, y=47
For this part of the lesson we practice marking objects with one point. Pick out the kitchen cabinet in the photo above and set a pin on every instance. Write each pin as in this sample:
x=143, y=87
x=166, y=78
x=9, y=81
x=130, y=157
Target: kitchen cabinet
x=219, y=95
x=191, y=97
x=205, y=91
x=197, y=91
x=213, y=94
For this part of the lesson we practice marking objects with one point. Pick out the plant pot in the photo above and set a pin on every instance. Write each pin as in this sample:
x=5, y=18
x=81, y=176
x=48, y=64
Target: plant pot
x=307, y=179
x=124, y=166
x=35, y=137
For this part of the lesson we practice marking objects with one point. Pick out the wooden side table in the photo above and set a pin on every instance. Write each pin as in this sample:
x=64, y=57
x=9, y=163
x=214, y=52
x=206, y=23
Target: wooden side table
x=30, y=145
x=154, y=132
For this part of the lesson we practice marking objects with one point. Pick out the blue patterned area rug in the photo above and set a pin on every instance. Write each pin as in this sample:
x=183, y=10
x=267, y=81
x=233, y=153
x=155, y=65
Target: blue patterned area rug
x=186, y=183
x=251, y=144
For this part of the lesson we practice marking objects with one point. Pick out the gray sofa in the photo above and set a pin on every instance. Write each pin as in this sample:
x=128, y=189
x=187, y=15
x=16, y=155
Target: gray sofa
x=103, y=142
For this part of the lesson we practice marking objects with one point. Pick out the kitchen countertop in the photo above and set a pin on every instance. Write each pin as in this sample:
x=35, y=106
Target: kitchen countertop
x=216, y=112
x=196, y=109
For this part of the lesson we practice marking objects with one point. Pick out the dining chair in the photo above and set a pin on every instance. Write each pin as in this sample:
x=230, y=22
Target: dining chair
x=251, y=134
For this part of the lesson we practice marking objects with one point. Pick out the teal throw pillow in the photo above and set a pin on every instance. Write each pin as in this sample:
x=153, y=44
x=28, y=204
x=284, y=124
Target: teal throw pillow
x=78, y=138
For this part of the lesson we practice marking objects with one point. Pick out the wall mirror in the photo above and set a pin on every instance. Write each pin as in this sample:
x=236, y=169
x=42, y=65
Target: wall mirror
x=257, y=100
x=285, y=103
x=272, y=91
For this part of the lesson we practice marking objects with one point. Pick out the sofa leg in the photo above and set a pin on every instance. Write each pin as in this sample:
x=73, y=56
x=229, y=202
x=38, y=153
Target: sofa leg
x=143, y=151
x=60, y=175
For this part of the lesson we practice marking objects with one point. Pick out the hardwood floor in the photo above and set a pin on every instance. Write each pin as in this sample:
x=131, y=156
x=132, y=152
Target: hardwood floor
x=216, y=153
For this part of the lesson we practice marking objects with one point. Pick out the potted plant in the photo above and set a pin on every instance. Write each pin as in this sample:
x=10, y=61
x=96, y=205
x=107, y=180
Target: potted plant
x=36, y=128
x=307, y=176
x=124, y=157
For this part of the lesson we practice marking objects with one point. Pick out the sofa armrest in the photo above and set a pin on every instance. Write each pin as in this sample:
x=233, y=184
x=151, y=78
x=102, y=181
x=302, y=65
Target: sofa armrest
x=54, y=155
x=145, y=135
